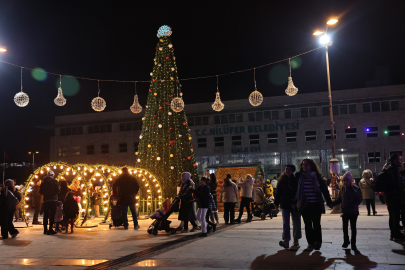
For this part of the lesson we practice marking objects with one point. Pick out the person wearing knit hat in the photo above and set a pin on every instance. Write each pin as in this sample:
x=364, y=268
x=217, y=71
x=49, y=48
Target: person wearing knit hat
x=350, y=198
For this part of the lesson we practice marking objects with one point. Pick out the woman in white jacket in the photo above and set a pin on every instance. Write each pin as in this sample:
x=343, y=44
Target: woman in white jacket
x=229, y=193
x=246, y=195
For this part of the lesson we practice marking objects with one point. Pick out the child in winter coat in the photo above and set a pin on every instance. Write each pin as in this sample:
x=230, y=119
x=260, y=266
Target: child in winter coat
x=71, y=210
x=350, y=198
x=268, y=189
x=203, y=194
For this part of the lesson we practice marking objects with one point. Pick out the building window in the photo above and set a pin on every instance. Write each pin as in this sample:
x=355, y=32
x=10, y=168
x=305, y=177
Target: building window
x=218, y=141
x=217, y=119
x=76, y=150
x=236, y=140
x=254, y=139
x=271, y=115
x=372, y=132
x=382, y=106
x=99, y=128
x=310, y=136
x=291, y=136
x=190, y=121
x=251, y=117
x=90, y=149
x=395, y=152
x=62, y=151
x=71, y=131
x=287, y=114
x=295, y=113
x=341, y=109
x=300, y=113
x=393, y=131
x=125, y=127
x=351, y=133
x=137, y=125
x=221, y=119
x=105, y=149
x=202, y=142
x=136, y=146
x=197, y=121
x=235, y=118
x=122, y=147
x=259, y=116
x=373, y=157
x=272, y=138
x=327, y=134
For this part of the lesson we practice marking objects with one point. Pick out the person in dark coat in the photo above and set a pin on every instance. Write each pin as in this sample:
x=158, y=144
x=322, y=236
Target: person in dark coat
x=394, y=196
x=285, y=197
x=126, y=187
x=186, y=200
x=50, y=190
x=96, y=200
x=310, y=202
x=37, y=201
x=203, y=194
x=64, y=189
x=6, y=215
x=70, y=211
x=213, y=184
x=350, y=198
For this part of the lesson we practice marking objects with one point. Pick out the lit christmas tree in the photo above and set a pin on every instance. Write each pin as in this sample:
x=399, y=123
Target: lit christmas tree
x=165, y=147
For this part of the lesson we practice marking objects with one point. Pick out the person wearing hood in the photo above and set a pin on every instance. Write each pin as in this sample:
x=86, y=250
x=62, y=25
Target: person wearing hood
x=366, y=185
x=310, y=193
x=350, y=198
x=6, y=214
x=49, y=189
x=246, y=195
x=186, y=200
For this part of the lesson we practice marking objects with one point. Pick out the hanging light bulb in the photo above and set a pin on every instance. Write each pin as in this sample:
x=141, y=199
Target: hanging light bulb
x=60, y=100
x=291, y=89
x=255, y=98
x=21, y=99
x=136, y=107
x=218, y=105
x=177, y=104
x=98, y=104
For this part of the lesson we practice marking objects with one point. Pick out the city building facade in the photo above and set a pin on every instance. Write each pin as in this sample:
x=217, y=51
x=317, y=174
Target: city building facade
x=369, y=127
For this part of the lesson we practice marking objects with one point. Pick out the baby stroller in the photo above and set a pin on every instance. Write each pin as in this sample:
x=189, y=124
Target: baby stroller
x=161, y=215
x=261, y=206
x=116, y=213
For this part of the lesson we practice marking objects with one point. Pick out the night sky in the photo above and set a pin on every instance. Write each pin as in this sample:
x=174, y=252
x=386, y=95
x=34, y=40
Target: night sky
x=117, y=40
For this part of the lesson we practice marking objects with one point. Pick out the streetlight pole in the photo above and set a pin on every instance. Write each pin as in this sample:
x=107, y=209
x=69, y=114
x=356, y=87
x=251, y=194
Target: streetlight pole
x=33, y=160
x=334, y=162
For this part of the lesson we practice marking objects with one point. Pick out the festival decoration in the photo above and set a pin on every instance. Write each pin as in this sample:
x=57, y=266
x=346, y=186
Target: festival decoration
x=136, y=107
x=161, y=128
x=218, y=105
x=255, y=98
x=85, y=177
x=98, y=104
x=21, y=99
x=60, y=100
x=291, y=89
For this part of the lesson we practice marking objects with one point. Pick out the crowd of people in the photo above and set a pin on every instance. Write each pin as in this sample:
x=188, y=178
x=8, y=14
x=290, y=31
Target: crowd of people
x=298, y=194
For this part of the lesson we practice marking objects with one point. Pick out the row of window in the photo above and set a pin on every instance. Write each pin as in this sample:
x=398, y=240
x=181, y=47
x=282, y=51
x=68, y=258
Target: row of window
x=98, y=128
x=71, y=131
x=350, y=133
x=130, y=126
x=376, y=156
x=90, y=149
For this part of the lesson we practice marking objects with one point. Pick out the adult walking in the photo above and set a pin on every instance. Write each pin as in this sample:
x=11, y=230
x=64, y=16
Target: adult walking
x=213, y=184
x=310, y=203
x=366, y=184
x=287, y=189
x=230, y=196
x=350, y=198
x=394, y=196
x=37, y=201
x=246, y=194
x=6, y=212
x=125, y=188
x=49, y=189
x=186, y=200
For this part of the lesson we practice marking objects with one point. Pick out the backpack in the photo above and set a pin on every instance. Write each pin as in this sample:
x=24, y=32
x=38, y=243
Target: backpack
x=12, y=202
x=380, y=181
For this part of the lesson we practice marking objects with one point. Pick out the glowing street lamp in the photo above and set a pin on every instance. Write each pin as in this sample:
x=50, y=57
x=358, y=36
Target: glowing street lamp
x=33, y=159
x=3, y=48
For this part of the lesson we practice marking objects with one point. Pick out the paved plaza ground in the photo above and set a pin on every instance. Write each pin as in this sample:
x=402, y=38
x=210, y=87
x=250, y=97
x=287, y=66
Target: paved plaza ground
x=246, y=246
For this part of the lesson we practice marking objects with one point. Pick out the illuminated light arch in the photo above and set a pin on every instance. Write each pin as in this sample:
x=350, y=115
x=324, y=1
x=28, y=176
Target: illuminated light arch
x=83, y=175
